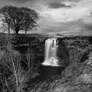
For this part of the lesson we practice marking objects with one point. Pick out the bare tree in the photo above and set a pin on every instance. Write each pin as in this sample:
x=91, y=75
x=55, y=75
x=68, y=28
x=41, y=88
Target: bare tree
x=13, y=76
x=18, y=18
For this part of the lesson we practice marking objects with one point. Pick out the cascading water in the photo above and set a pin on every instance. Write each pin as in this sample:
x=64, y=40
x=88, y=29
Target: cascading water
x=51, y=58
x=50, y=67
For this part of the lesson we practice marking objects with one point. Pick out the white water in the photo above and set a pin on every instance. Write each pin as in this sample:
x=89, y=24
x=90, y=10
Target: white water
x=51, y=52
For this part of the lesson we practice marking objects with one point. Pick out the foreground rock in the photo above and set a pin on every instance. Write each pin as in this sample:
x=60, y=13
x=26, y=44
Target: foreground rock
x=76, y=78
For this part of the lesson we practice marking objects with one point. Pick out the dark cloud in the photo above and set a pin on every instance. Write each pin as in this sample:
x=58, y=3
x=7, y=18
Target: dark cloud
x=88, y=26
x=77, y=27
x=19, y=1
x=72, y=0
x=50, y=3
x=23, y=1
x=60, y=27
x=58, y=5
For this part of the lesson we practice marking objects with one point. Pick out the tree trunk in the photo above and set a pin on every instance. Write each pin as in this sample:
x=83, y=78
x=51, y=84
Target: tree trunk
x=8, y=30
x=25, y=32
x=8, y=33
x=16, y=31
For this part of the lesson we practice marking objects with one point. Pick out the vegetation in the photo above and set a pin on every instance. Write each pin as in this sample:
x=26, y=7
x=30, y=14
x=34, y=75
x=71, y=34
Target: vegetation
x=77, y=77
x=17, y=19
x=18, y=70
x=13, y=76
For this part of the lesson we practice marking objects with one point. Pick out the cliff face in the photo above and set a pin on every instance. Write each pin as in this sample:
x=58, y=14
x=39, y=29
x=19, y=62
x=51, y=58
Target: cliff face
x=77, y=76
x=70, y=49
x=37, y=45
x=62, y=53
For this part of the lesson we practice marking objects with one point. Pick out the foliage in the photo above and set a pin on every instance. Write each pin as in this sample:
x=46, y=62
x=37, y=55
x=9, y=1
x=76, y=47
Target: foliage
x=18, y=18
x=13, y=77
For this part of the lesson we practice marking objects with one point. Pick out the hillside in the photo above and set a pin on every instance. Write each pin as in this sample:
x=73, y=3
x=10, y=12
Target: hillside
x=76, y=77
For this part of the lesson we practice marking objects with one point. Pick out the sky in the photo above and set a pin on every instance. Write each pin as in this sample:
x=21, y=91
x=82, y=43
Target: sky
x=59, y=16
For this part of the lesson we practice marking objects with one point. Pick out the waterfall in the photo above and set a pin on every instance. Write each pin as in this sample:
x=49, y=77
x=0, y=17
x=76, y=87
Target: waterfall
x=51, y=58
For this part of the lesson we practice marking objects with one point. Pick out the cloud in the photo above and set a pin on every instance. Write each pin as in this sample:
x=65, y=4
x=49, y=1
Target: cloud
x=15, y=2
x=33, y=1
x=81, y=10
x=48, y=26
x=64, y=20
x=61, y=15
x=18, y=1
x=58, y=5
x=69, y=28
x=88, y=26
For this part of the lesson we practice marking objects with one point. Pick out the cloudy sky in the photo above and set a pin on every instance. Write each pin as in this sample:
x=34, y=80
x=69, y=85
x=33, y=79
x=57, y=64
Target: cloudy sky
x=60, y=16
